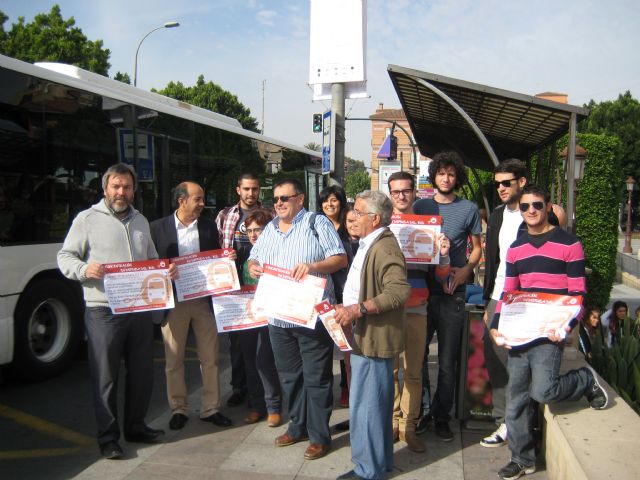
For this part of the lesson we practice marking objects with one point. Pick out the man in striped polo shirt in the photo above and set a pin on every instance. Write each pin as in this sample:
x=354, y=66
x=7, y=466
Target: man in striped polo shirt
x=304, y=357
x=545, y=259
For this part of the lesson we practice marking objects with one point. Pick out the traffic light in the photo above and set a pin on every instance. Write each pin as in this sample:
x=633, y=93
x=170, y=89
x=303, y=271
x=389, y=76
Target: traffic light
x=317, y=123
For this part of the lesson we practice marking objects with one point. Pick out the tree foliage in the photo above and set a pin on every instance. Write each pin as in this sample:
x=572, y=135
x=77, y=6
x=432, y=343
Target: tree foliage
x=356, y=182
x=212, y=97
x=352, y=166
x=51, y=38
x=621, y=118
x=122, y=77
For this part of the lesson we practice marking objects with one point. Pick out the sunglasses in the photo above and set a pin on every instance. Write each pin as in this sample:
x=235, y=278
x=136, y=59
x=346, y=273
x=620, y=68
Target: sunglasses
x=283, y=198
x=524, y=207
x=504, y=183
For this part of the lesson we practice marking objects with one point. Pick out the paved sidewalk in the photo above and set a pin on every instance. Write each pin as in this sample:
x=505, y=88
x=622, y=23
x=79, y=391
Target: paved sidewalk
x=247, y=452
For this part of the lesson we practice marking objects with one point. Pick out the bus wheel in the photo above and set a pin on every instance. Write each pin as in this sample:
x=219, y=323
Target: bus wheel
x=48, y=329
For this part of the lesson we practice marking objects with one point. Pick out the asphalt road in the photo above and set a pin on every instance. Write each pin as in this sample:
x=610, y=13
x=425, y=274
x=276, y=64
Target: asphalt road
x=47, y=429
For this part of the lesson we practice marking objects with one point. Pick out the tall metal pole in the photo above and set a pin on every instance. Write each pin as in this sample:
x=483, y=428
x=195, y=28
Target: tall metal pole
x=571, y=179
x=135, y=63
x=337, y=111
x=263, y=84
x=627, y=235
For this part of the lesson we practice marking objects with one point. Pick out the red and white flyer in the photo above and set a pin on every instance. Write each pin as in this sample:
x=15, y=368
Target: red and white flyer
x=417, y=236
x=138, y=286
x=280, y=296
x=527, y=316
x=237, y=310
x=327, y=314
x=205, y=273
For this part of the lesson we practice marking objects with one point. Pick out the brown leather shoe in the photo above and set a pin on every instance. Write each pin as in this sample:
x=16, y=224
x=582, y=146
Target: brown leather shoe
x=253, y=417
x=316, y=451
x=414, y=443
x=274, y=420
x=396, y=434
x=285, y=440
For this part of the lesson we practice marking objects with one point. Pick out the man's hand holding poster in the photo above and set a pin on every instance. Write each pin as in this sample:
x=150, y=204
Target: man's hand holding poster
x=138, y=286
x=205, y=273
x=280, y=296
x=328, y=316
x=417, y=236
x=527, y=316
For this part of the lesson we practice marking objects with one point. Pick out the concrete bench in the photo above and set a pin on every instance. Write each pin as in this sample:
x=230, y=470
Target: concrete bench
x=581, y=443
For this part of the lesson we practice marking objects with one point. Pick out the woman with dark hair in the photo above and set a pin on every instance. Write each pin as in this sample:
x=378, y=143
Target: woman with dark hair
x=333, y=205
x=614, y=319
x=588, y=328
x=353, y=229
x=263, y=384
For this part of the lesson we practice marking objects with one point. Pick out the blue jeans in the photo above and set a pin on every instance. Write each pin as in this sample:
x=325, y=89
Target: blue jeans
x=445, y=315
x=304, y=358
x=495, y=359
x=533, y=375
x=371, y=409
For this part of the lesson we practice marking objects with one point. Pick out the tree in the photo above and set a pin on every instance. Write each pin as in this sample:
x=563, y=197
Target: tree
x=122, y=77
x=620, y=118
x=352, y=166
x=313, y=146
x=212, y=97
x=49, y=37
x=356, y=182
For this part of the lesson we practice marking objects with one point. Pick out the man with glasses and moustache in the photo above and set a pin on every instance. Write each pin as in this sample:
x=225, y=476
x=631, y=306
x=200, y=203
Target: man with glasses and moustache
x=303, y=356
x=544, y=259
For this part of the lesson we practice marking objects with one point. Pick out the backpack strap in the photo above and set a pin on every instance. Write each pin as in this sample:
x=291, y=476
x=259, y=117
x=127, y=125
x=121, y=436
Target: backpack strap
x=312, y=224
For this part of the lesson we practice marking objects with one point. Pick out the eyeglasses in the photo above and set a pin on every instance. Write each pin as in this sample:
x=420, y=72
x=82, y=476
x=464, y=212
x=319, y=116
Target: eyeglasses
x=504, y=183
x=359, y=214
x=524, y=207
x=257, y=231
x=405, y=193
x=284, y=198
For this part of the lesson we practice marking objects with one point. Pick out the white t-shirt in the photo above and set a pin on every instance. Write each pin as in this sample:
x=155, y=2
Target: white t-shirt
x=511, y=221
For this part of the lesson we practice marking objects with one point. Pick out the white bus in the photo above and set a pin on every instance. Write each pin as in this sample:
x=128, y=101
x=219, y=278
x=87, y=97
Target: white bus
x=60, y=128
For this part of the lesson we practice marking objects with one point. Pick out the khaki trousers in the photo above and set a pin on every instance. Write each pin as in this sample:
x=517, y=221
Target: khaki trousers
x=196, y=313
x=406, y=403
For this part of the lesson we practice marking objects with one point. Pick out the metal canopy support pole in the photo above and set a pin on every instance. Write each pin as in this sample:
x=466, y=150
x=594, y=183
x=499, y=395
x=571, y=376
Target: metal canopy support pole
x=337, y=112
x=463, y=114
x=481, y=187
x=571, y=167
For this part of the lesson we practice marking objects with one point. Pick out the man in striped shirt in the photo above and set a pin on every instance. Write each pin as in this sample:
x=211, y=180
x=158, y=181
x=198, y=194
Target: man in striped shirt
x=303, y=356
x=545, y=259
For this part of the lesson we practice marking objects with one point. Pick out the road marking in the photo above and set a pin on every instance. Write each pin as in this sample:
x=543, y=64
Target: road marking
x=47, y=428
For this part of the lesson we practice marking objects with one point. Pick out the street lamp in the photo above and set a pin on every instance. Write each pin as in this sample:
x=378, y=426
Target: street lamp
x=135, y=64
x=630, y=183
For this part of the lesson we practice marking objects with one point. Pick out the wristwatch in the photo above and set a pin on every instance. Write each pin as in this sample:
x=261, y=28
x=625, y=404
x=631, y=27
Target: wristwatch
x=363, y=309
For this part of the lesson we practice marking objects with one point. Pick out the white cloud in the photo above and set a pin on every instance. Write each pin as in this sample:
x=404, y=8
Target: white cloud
x=266, y=17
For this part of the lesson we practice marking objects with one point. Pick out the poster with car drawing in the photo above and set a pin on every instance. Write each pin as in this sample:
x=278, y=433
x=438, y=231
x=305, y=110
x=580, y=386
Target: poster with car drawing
x=417, y=235
x=205, y=273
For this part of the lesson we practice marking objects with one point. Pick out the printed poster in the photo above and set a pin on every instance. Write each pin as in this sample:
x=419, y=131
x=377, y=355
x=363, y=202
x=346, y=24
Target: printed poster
x=280, y=296
x=237, y=310
x=327, y=313
x=527, y=316
x=417, y=235
x=205, y=273
x=138, y=286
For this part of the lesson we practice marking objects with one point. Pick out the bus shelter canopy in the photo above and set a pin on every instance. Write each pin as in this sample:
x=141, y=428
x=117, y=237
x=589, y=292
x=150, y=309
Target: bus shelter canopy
x=483, y=124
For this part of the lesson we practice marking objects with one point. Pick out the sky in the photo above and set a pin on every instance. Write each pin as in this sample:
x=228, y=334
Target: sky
x=587, y=49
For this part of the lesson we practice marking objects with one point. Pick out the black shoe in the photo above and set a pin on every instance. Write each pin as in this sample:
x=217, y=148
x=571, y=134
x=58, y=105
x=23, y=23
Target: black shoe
x=236, y=398
x=349, y=476
x=443, y=432
x=178, y=421
x=146, y=435
x=423, y=424
x=218, y=419
x=596, y=395
x=513, y=470
x=343, y=426
x=111, y=450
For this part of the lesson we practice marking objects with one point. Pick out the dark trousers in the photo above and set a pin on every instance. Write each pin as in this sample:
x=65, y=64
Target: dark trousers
x=238, y=375
x=110, y=339
x=445, y=315
x=263, y=384
x=304, y=358
x=495, y=359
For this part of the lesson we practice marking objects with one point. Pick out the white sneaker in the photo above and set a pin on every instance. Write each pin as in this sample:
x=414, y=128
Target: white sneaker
x=497, y=438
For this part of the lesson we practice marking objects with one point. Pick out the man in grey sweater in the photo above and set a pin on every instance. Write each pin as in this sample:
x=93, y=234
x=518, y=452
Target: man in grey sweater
x=113, y=231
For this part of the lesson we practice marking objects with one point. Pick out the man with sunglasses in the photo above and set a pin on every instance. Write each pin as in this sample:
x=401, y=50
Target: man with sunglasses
x=504, y=226
x=304, y=357
x=544, y=259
